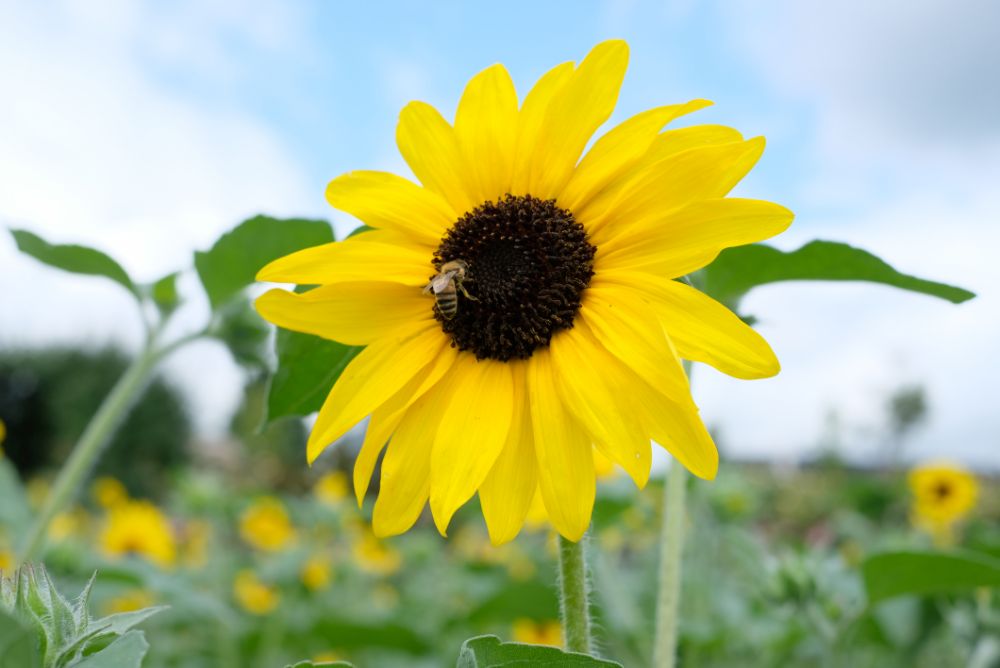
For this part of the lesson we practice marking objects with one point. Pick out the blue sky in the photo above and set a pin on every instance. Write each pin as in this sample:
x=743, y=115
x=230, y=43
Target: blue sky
x=149, y=128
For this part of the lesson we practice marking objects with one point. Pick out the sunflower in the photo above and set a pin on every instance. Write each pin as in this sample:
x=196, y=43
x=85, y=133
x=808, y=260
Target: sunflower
x=557, y=321
x=943, y=494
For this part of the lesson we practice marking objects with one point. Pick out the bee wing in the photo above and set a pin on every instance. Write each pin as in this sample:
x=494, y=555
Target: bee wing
x=441, y=281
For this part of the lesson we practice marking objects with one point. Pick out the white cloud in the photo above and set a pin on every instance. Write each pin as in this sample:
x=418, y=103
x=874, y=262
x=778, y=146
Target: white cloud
x=902, y=158
x=96, y=149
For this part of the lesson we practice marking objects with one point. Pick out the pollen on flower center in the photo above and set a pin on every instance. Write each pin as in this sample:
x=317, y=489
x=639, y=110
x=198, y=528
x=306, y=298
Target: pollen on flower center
x=528, y=262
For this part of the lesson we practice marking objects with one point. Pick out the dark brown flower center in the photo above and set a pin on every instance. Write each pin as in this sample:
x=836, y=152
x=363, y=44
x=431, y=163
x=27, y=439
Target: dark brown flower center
x=527, y=263
x=942, y=490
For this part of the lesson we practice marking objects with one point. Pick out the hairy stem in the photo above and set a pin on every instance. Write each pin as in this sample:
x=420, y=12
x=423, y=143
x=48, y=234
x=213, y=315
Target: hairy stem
x=573, y=603
x=671, y=548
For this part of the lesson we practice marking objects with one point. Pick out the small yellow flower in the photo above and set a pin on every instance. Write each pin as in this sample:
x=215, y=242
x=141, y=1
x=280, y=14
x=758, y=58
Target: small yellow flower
x=142, y=529
x=943, y=494
x=332, y=488
x=537, y=633
x=254, y=596
x=375, y=556
x=265, y=525
x=316, y=573
x=328, y=657
x=3, y=433
x=108, y=492
x=130, y=601
x=7, y=562
x=67, y=524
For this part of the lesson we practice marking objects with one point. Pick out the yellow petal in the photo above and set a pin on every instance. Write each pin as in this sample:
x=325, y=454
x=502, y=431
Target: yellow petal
x=389, y=202
x=682, y=139
x=477, y=418
x=700, y=173
x=486, y=127
x=574, y=114
x=381, y=425
x=431, y=149
x=529, y=124
x=565, y=457
x=378, y=372
x=588, y=380
x=406, y=468
x=351, y=260
x=674, y=423
x=619, y=149
x=353, y=313
x=627, y=326
x=665, y=145
x=508, y=489
x=690, y=238
x=387, y=417
x=706, y=331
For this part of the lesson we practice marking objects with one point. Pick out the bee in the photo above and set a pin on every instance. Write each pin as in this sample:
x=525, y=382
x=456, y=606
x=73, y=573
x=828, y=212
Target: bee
x=446, y=285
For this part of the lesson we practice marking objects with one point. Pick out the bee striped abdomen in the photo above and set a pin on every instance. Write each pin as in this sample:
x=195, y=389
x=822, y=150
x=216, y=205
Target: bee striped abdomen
x=447, y=302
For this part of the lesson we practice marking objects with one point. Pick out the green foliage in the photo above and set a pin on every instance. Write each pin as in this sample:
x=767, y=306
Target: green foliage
x=308, y=366
x=48, y=396
x=14, y=512
x=274, y=449
x=126, y=652
x=74, y=258
x=490, y=652
x=910, y=573
x=18, y=643
x=164, y=293
x=243, y=331
x=738, y=270
x=234, y=260
x=326, y=664
x=61, y=634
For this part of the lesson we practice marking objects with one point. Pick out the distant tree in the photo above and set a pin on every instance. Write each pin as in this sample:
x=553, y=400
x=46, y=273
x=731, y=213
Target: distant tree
x=907, y=409
x=47, y=397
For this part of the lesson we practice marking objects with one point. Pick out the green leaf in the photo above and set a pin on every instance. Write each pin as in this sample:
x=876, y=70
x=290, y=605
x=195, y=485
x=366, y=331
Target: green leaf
x=358, y=230
x=18, y=644
x=908, y=573
x=308, y=366
x=738, y=270
x=127, y=651
x=73, y=258
x=243, y=332
x=164, y=293
x=122, y=622
x=233, y=262
x=489, y=652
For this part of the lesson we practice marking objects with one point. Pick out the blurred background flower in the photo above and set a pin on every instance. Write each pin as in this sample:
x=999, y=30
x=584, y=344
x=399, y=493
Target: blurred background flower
x=141, y=529
x=943, y=495
x=266, y=526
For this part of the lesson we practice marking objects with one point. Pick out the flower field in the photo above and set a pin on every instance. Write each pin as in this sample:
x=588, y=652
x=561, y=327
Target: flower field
x=775, y=569
x=461, y=420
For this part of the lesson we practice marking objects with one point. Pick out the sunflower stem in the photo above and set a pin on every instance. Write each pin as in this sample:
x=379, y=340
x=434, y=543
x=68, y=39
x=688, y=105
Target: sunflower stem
x=671, y=548
x=95, y=437
x=574, y=605
x=671, y=551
